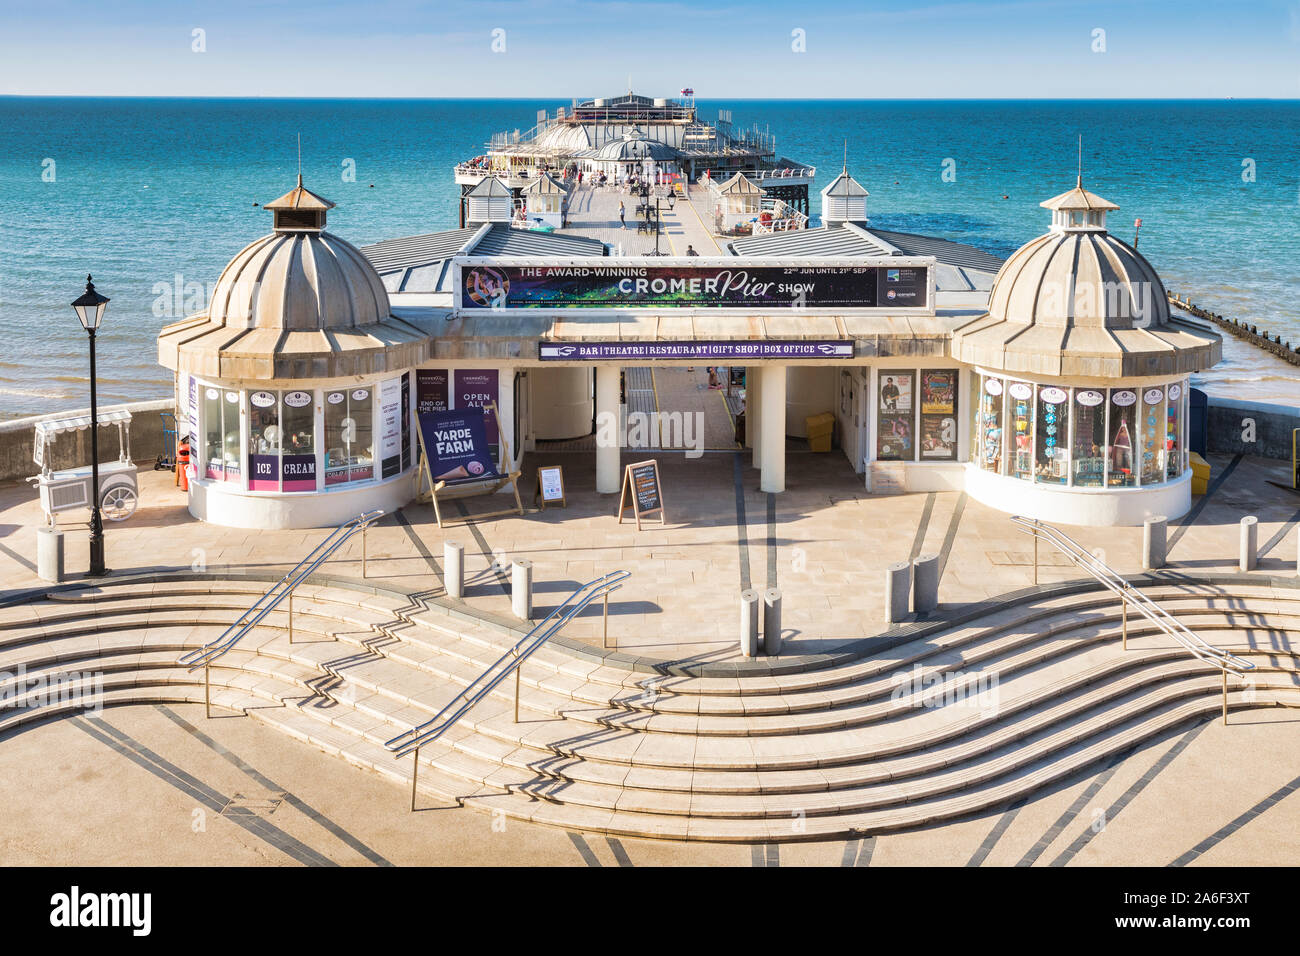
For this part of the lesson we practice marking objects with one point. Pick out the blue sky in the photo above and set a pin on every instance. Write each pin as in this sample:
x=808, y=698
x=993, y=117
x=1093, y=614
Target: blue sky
x=566, y=48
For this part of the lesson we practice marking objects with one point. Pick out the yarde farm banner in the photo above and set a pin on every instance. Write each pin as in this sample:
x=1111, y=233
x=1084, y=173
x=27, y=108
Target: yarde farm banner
x=607, y=285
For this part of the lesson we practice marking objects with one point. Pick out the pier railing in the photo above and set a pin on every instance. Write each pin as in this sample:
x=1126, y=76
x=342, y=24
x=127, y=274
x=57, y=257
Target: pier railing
x=782, y=217
x=762, y=175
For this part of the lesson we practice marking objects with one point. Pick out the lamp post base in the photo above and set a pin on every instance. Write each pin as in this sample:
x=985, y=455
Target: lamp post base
x=97, y=569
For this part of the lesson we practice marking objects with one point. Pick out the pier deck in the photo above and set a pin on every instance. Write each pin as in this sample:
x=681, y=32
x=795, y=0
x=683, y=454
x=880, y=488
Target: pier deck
x=593, y=212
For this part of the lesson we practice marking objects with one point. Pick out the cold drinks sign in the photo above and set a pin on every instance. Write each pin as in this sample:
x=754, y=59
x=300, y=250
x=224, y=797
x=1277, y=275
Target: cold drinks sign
x=896, y=284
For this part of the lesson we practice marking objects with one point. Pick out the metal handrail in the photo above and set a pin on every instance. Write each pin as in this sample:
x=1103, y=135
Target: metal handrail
x=268, y=602
x=1132, y=596
x=412, y=740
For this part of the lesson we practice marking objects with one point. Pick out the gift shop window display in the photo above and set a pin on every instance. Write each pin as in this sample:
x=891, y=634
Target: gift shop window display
x=1173, y=431
x=1089, y=442
x=1123, y=428
x=1020, y=413
x=989, y=425
x=1153, y=435
x=1052, y=441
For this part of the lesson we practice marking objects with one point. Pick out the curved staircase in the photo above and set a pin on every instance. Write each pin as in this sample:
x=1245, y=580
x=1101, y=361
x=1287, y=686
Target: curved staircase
x=956, y=721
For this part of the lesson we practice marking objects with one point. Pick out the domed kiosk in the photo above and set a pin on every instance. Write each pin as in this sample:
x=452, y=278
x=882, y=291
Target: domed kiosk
x=630, y=153
x=1080, y=379
x=296, y=382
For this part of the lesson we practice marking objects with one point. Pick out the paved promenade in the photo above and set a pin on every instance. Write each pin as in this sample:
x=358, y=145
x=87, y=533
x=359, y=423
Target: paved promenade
x=233, y=792
x=825, y=543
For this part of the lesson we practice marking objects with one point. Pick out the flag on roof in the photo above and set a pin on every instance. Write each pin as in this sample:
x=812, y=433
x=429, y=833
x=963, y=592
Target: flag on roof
x=688, y=92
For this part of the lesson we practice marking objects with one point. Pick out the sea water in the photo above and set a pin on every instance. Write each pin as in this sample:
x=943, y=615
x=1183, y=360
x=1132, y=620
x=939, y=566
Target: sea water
x=155, y=196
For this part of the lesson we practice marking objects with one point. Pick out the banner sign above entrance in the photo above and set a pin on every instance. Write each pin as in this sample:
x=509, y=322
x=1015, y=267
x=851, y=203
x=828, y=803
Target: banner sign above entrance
x=896, y=284
x=648, y=351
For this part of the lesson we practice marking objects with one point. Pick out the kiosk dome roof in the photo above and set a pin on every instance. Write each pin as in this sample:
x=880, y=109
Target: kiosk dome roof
x=299, y=281
x=1077, y=301
x=299, y=303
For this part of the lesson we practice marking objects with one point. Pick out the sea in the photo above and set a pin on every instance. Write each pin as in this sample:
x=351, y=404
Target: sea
x=154, y=196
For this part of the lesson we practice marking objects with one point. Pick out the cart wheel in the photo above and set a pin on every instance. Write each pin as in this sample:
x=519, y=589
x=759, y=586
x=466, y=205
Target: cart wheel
x=118, y=503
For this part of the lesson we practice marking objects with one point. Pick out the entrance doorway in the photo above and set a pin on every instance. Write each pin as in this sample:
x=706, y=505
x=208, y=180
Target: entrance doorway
x=682, y=408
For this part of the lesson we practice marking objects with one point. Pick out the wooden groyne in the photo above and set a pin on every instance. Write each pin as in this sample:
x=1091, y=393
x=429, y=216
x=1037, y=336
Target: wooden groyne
x=1242, y=330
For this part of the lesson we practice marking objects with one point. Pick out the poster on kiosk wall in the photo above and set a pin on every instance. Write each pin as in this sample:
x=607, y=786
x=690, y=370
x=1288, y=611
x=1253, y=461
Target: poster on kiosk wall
x=390, y=427
x=439, y=390
x=475, y=388
x=432, y=391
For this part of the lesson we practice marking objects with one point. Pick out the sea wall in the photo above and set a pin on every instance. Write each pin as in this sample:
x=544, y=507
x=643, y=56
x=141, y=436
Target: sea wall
x=73, y=449
x=1252, y=428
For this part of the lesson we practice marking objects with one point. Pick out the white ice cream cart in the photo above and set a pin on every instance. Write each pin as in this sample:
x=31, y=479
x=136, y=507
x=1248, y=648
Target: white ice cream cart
x=70, y=488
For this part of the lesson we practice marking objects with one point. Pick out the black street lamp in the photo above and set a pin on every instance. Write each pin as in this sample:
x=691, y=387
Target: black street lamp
x=90, y=308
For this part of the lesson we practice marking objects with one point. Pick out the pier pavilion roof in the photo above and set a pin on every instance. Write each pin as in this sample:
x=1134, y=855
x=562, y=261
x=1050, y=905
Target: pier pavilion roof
x=545, y=185
x=739, y=185
x=845, y=185
x=636, y=146
x=299, y=303
x=423, y=263
x=1081, y=303
x=961, y=270
x=491, y=188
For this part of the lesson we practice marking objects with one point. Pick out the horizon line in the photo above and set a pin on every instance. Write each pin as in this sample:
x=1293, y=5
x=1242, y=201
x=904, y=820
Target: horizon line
x=754, y=99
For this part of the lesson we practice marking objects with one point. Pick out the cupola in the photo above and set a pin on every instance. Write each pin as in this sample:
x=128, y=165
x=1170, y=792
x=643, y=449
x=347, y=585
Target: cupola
x=299, y=210
x=844, y=200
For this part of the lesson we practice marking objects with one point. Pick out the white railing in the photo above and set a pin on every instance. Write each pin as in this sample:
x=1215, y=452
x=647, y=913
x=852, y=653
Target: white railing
x=782, y=218
x=1130, y=596
x=758, y=175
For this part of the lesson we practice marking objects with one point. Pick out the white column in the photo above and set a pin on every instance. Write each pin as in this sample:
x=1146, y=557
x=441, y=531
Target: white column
x=607, y=429
x=772, y=450
x=506, y=415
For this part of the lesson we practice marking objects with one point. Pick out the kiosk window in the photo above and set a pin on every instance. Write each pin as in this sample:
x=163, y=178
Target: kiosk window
x=349, y=442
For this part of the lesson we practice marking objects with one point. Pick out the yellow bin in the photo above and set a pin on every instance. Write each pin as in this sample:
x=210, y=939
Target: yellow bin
x=1200, y=474
x=820, y=429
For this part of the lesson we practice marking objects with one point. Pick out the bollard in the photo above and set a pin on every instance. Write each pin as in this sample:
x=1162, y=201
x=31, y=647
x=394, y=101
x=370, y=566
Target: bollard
x=772, y=622
x=748, y=622
x=925, y=583
x=453, y=569
x=898, y=587
x=1249, y=543
x=1155, y=546
x=521, y=589
x=49, y=555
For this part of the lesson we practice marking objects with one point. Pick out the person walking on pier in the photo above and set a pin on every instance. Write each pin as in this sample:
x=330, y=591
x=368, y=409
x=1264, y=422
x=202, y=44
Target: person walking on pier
x=622, y=215
x=690, y=251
